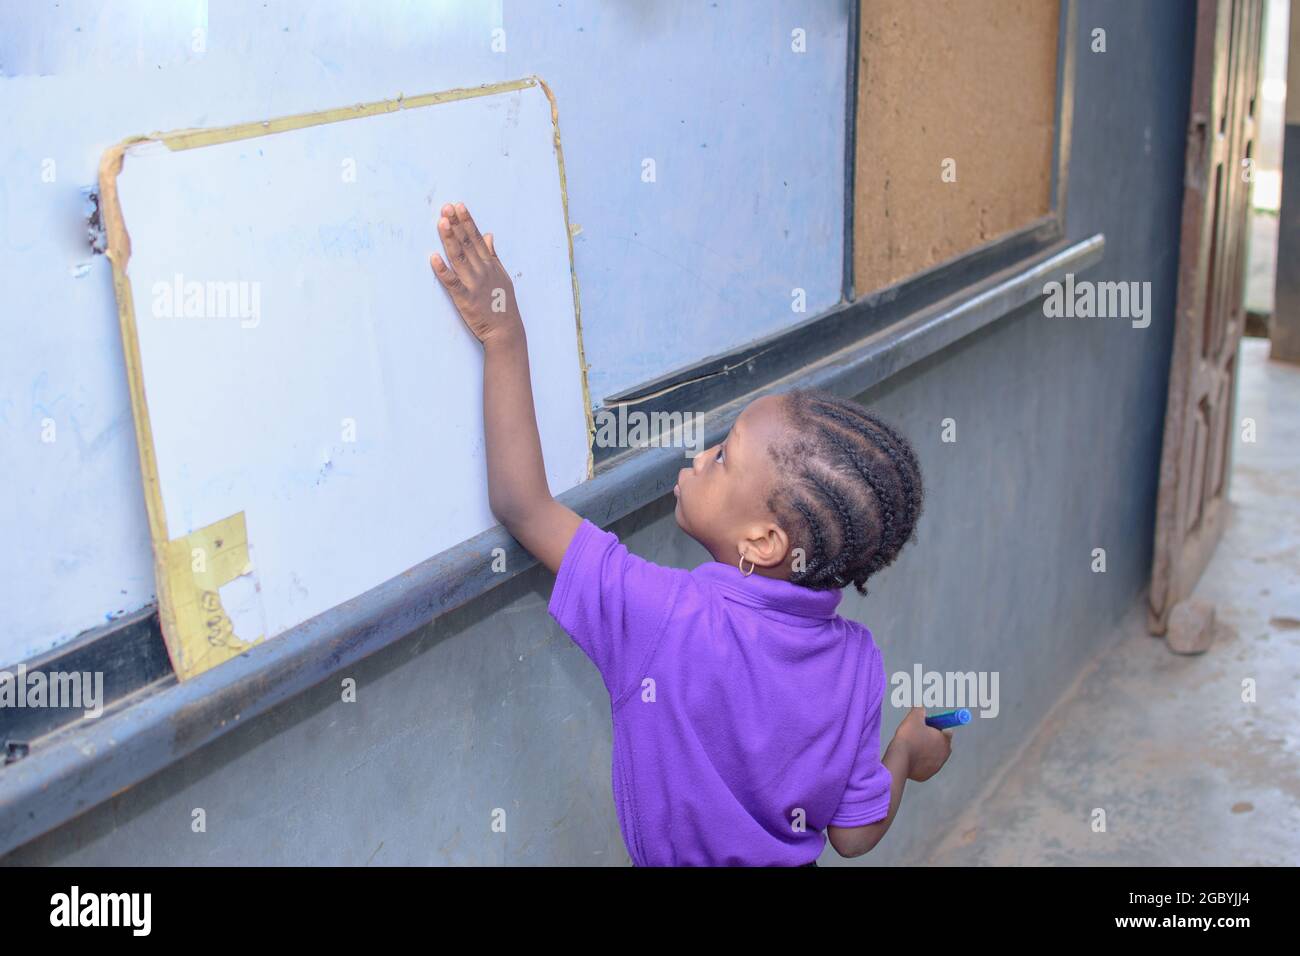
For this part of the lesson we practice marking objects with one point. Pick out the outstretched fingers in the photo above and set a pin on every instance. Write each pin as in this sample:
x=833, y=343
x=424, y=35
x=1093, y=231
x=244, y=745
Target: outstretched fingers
x=468, y=232
x=457, y=252
x=465, y=245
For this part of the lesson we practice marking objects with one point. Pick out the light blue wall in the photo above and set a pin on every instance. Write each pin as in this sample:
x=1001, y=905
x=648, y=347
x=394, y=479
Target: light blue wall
x=747, y=205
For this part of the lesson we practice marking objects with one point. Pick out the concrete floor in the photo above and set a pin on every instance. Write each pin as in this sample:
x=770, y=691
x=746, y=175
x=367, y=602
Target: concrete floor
x=1186, y=772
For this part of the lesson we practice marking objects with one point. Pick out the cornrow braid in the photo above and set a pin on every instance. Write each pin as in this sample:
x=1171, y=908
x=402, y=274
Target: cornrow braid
x=850, y=491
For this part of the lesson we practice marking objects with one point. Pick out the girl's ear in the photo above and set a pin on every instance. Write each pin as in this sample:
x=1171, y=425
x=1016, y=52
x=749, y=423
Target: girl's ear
x=769, y=547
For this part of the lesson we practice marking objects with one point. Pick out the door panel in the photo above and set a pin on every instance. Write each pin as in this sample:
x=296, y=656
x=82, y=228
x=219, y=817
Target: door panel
x=1199, y=418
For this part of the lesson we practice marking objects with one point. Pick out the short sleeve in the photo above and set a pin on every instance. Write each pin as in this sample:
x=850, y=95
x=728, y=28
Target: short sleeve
x=866, y=798
x=613, y=604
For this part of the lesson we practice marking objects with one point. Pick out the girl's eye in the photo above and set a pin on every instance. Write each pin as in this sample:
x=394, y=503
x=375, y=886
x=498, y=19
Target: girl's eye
x=718, y=457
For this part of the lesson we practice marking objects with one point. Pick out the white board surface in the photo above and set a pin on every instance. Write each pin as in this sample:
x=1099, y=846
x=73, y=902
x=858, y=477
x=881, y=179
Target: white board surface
x=336, y=400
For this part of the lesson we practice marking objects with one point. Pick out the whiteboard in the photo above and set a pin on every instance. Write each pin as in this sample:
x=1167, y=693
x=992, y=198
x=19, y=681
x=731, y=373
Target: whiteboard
x=308, y=404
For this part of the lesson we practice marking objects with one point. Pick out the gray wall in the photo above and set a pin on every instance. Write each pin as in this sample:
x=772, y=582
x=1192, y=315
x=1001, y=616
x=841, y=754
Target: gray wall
x=1059, y=425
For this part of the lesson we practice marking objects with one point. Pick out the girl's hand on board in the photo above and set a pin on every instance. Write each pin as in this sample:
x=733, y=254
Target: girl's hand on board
x=927, y=748
x=474, y=277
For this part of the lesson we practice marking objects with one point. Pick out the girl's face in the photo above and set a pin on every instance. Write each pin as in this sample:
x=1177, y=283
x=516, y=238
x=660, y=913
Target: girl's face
x=721, y=497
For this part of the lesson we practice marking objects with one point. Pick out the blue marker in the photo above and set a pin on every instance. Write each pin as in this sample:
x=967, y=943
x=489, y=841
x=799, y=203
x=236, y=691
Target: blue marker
x=949, y=718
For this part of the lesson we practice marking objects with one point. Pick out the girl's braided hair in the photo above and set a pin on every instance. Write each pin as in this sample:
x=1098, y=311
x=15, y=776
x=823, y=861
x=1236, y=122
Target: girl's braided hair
x=850, y=491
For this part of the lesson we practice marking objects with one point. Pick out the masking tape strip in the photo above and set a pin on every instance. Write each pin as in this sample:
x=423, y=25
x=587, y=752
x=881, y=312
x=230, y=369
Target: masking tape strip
x=198, y=566
x=570, y=231
x=175, y=580
x=119, y=254
x=191, y=138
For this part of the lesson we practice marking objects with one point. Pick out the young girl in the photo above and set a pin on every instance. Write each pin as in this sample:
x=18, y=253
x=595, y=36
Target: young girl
x=746, y=712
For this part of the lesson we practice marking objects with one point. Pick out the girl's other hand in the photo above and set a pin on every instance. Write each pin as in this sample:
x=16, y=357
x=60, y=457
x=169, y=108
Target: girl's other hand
x=927, y=748
x=477, y=282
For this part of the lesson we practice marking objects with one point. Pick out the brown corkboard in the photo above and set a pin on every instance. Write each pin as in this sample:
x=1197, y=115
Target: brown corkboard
x=973, y=81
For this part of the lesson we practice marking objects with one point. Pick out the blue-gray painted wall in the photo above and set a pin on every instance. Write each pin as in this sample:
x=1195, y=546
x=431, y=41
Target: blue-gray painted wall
x=1057, y=452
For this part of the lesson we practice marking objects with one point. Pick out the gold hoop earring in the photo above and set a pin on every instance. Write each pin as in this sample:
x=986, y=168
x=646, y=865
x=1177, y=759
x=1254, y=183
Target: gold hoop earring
x=741, y=565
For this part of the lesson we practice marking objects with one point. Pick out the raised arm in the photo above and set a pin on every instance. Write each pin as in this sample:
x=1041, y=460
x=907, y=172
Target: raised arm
x=483, y=294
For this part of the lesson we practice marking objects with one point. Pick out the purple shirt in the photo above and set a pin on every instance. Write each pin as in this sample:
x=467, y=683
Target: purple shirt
x=746, y=711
